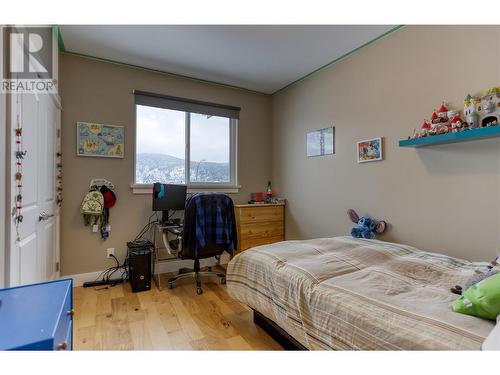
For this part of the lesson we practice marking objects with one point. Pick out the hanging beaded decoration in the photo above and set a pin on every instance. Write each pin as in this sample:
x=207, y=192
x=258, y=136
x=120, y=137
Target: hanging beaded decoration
x=59, y=179
x=18, y=176
x=59, y=176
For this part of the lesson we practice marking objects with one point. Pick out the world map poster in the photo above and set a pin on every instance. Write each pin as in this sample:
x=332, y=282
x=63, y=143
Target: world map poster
x=99, y=140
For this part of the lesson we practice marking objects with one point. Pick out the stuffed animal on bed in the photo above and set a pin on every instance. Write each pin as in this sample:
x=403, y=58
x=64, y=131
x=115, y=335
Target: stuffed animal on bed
x=481, y=297
x=366, y=227
x=480, y=276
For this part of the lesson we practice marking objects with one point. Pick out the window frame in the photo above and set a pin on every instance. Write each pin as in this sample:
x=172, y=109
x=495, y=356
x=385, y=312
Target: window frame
x=231, y=186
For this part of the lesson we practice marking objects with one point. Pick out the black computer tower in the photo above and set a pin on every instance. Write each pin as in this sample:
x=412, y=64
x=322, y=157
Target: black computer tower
x=139, y=265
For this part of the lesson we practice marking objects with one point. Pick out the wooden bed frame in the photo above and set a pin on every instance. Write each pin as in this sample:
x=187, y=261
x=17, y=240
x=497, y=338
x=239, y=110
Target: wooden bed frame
x=276, y=332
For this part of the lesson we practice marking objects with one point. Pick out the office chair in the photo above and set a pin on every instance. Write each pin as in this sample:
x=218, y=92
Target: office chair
x=209, y=230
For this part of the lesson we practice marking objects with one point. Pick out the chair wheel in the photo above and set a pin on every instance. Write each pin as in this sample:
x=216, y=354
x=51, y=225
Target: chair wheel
x=199, y=290
x=170, y=285
x=223, y=280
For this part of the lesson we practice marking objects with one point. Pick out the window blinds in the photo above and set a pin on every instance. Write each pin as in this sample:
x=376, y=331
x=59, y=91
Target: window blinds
x=186, y=105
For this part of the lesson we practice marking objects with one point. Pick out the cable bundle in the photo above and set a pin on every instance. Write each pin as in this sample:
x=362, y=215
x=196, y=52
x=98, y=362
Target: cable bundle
x=105, y=275
x=137, y=244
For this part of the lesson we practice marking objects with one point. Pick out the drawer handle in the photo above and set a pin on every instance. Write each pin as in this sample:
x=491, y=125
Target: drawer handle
x=70, y=312
x=63, y=346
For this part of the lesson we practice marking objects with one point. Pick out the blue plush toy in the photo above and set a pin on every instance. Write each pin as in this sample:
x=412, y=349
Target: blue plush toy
x=366, y=227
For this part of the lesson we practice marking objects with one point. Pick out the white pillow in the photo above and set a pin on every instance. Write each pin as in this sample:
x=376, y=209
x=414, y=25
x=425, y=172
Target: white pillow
x=492, y=342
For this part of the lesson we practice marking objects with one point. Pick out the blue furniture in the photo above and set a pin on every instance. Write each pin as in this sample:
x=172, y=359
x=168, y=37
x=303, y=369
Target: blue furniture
x=37, y=317
x=466, y=135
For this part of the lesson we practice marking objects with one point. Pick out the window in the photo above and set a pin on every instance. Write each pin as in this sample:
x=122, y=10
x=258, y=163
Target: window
x=185, y=142
x=209, y=149
x=160, y=146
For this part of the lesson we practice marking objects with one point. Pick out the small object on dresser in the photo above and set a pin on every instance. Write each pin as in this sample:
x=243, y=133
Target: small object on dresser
x=276, y=200
x=269, y=193
x=258, y=197
x=269, y=190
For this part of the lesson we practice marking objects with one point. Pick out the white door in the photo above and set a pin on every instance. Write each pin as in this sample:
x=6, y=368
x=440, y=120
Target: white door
x=33, y=254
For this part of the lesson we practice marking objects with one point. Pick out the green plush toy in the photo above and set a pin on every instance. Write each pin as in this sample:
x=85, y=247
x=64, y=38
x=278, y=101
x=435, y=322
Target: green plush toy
x=481, y=299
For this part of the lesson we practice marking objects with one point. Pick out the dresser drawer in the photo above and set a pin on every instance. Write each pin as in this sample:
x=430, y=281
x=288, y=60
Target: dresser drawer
x=259, y=214
x=262, y=229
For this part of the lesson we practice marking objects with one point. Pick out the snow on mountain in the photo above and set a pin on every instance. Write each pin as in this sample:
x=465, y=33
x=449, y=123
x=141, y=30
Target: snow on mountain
x=164, y=168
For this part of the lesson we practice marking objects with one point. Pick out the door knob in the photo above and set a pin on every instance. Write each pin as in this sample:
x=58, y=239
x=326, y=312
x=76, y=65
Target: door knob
x=44, y=216
x=62, y=346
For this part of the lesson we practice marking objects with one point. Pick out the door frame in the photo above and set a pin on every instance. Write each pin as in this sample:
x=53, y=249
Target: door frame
x=3, y=190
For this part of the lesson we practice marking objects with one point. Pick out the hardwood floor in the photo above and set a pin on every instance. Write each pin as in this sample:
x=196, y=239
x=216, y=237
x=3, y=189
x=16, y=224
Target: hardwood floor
x=171, y=319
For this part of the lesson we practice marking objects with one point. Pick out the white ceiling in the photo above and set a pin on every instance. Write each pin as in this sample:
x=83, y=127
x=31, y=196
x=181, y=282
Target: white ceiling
x=260, y=58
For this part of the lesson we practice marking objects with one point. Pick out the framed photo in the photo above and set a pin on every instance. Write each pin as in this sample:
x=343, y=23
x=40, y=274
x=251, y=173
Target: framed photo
x=321, y=142
x=370, y=150
x=99, y=140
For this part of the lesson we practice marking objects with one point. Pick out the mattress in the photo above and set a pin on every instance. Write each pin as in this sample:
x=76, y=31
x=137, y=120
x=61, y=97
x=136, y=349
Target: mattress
x=343, y=293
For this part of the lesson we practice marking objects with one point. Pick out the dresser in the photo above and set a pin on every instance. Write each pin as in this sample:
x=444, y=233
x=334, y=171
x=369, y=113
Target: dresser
x=259, y=224
x=37, y=317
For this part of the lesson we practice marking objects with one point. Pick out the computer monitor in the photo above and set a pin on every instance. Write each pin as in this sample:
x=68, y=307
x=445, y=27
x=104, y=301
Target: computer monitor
x=167, y=197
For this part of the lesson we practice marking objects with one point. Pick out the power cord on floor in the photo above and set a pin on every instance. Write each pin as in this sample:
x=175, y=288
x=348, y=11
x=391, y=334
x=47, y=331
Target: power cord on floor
x=106, y=274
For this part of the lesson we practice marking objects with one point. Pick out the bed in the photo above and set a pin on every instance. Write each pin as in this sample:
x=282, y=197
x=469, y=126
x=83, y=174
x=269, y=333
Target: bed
x=343, y=293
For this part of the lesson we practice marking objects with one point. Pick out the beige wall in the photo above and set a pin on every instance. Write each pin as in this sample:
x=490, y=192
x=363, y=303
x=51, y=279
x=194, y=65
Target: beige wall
x=102, y=92
x=442, y=198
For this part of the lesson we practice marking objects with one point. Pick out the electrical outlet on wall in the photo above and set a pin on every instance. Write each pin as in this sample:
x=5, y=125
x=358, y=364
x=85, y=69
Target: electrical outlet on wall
x=110, y=251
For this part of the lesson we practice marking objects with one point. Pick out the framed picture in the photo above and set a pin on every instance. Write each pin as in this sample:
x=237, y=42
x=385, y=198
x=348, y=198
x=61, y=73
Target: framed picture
x=321, y=142
x=370, y=150
x=99, y=140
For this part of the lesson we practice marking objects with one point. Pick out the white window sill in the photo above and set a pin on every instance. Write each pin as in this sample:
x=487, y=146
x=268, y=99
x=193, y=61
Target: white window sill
x=148, y=189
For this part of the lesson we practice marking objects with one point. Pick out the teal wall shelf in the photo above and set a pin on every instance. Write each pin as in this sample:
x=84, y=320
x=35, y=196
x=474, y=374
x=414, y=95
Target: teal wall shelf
x=466, y=135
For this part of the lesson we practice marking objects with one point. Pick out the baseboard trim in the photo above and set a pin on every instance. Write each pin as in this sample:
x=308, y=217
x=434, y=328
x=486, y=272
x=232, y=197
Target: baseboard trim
x=163, y=267
x=80, y=278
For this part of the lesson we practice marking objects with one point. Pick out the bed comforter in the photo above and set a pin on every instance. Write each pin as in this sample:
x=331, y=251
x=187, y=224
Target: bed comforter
x=344, y=293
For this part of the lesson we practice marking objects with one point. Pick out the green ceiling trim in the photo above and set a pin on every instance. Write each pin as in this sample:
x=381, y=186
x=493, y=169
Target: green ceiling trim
x=60, y=41
x=339, y=59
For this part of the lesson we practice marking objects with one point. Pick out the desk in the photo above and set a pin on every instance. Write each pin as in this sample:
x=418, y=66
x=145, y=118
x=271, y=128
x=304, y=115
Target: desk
x=162, y=251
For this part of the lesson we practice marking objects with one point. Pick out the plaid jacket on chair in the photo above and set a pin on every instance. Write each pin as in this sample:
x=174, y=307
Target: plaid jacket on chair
x=209, y=219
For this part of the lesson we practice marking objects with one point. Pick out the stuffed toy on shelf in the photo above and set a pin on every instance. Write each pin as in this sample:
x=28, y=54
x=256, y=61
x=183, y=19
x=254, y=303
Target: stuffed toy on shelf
x=366, y=227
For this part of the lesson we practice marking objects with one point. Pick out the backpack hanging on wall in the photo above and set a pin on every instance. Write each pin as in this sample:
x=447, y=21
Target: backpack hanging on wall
x=92, y=207
x=109, y=201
